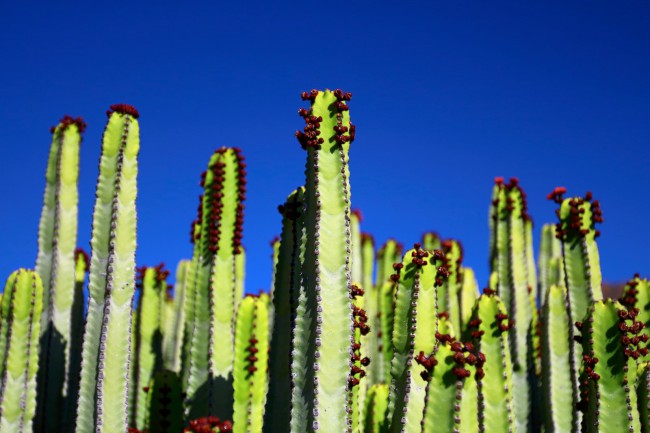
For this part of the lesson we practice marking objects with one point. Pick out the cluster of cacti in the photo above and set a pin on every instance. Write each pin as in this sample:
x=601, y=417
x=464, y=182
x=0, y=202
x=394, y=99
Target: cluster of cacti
x=350, y=340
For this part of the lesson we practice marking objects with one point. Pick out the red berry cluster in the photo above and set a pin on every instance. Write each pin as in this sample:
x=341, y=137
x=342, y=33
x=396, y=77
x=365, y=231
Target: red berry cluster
x=575, y=227
x=397, y=267
x=630, y=291
x=123, y=109
x=208, y=424
x=438, y=259
x=309, y=137
x=67, y=121
x=135, y=430
x=428, y=362
x=418, y=256
x=473, y=327
x=360, y=319
x=340, y=129
x=252, y=349
x=631, y=339
x=447, y=246
x=466, y=354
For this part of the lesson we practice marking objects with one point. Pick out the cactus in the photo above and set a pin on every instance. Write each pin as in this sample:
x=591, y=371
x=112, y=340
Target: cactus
x=452, y=372
x=250, y=369
x=327, y=259
x=217, y=233
x=55, y=264
x=389, y=254
x=559, y=391
x=431, y=241
x=164, y=403
x=612, y=342
x=643, y=396
x=173, y=340
x=147, y=347
x=103, y=393
x=488, y=330
x=372, y=297
x=550, y=251
x=636, y=293
x=510, y=243
x=286, y=293
x=375, y=409
x=468, y=296
x=416, y=280
x=449, y=292
x=22, y=306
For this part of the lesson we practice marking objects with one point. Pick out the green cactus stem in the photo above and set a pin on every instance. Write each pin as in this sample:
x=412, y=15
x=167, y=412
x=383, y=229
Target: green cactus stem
x=372, y=299
x=550, y=261
x=643, y=396
x=449, y=292
x=488, y=329
x=82, y=261
x=636, y=293
x=216, y=291
x=250, y=369
x=103, y=393
x=510, y=260
x=612, y=341
x=22, y=306
x=375, y=409
x=356, y=268
x=327, y=269
x=286, y=293
x=452, y=372
x=559, y=390
x=55, y=264
x=165, y=404
x=173, y=340
x=147, y=347
x=387, y=256
x=431, y=241
x=416, y=325
x=468, y=295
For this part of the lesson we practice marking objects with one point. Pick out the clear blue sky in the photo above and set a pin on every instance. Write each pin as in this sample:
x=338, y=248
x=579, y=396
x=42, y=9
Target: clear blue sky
x=447, y=95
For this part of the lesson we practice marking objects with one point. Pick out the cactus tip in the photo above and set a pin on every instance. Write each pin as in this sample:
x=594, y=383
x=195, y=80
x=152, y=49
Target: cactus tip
x=123, y=109
x=498, y=180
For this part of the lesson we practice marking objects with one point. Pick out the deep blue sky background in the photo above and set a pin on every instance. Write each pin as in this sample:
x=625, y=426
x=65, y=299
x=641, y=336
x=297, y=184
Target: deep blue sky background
x=447, y=95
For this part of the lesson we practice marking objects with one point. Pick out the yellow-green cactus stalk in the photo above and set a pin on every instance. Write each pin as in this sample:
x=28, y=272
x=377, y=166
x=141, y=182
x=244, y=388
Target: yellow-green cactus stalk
x=22, y=305
x=55, y=264
x=103, y=393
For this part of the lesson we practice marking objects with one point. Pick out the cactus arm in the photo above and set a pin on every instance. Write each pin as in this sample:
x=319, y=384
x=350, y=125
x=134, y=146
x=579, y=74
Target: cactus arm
x=148, y=350
x=356, y=268
x=250, y=364
x=415, y=329
x=173, y=341
x=165, y=411
x=468, y=295
x=217, y=233
x=643, y=393
x=388, y=254
x=188, y=326
x=431, y=241
x=327, y=257
x=278, y=412
x=449, y=293
x=440, y=393
x=372, y=299
x=375, y=409
x=559, y=399
x=495, y=391
x=55, y=264
x=103, y=402
x=23, y=305
x=610, y=368
x=387, y=313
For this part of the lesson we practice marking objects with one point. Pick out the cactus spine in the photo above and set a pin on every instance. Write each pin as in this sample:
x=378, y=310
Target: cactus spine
x=55, y=264
x=217, y=233
x=250, y=368
x=286, y=293
x=327, y=260
x=509, y=259
x=22, y=305
x=103, y=402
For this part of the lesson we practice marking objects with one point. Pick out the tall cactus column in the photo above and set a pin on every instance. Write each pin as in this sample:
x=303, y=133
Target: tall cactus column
x=22, y=305
x=103, y=402
x=55, y=264
x=217, y=288
x=509, y=259
x=326, y=137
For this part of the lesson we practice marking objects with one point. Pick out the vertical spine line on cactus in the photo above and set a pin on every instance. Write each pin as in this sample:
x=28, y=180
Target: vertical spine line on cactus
x=109, y=288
